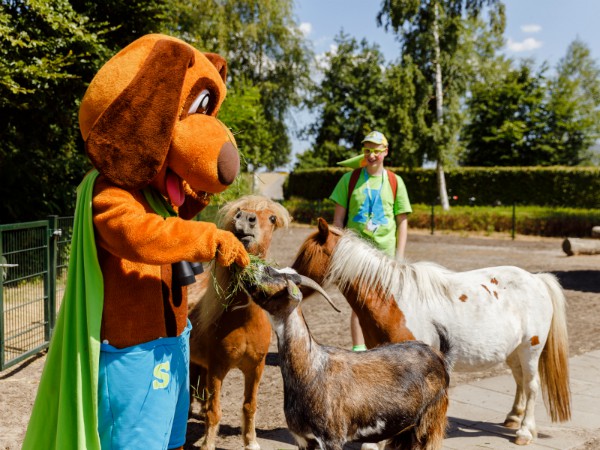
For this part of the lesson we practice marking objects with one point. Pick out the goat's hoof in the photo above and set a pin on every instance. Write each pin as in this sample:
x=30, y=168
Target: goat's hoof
x=513, y=424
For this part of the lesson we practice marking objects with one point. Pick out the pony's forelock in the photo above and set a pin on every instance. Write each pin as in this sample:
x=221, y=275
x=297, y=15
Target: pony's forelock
x=252, y=203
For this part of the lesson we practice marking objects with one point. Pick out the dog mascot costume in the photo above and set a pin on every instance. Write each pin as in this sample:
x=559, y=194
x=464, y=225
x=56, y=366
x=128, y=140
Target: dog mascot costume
x=116, y=375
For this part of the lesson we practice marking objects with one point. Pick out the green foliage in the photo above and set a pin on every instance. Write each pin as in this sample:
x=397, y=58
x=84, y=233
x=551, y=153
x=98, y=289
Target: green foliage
x=505, y=121
x=576, y=187
x=521, y=117
x=529, y=220
x=125, y=20
x=431, y=34
x=48, y=53
x=349, y=102
x=268, y=66
x=574, y=107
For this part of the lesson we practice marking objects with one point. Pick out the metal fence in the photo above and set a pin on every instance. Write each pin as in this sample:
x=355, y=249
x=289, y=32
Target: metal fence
x=33, y=263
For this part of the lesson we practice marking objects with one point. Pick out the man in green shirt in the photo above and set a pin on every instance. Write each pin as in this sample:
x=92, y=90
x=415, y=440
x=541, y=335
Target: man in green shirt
x=373, y=211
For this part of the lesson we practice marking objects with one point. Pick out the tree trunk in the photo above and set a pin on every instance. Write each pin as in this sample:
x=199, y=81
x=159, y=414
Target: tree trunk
x=574, y=246
x=439, y=108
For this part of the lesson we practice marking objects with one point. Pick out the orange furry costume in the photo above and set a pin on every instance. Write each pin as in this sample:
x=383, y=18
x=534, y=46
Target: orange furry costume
x=149, y=124
x=141, y=127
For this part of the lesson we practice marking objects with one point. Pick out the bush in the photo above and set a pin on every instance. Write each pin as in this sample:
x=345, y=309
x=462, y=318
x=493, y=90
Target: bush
x=530, y=220
x=569, y=187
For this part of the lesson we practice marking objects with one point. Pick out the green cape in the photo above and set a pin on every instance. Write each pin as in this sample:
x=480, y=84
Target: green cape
x=65, y=412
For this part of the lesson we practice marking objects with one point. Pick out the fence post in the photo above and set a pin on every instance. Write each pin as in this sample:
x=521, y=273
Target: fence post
x=2, y=337
x=53, y=233
x=514, y=220
x=432, y=217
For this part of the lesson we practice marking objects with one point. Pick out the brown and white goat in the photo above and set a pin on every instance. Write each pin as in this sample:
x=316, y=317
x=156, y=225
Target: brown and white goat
x=396, y=393
x=236, y=335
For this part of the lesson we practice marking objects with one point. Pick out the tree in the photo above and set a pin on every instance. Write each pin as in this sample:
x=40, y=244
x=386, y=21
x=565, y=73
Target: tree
x=48, y=54
x=264, y=49
x=506, y=120
x=350, y=101
x=430, y=33
x=573, y=107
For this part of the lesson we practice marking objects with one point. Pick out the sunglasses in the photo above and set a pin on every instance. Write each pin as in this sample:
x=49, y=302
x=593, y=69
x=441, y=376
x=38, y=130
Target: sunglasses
x=375, y=151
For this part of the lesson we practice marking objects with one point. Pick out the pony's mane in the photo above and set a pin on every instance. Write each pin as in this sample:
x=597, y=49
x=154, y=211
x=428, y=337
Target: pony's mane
x=213, y=301
x=355, y=260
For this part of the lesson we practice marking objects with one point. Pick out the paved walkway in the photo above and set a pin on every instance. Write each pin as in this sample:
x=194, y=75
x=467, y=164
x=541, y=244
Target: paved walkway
x=478, y=409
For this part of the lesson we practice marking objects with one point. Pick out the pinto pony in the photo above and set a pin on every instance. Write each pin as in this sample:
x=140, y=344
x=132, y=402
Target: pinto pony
x=233, y=333
x=492, y=315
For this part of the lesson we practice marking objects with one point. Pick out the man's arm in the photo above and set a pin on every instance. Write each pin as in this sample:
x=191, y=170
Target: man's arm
x=401, y=234
x=339, y=214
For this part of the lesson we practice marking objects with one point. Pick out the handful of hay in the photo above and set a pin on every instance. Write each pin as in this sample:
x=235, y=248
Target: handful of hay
x=239, y=277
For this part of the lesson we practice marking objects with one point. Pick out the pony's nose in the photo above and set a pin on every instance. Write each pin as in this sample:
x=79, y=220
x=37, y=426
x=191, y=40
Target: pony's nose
x=228, y=163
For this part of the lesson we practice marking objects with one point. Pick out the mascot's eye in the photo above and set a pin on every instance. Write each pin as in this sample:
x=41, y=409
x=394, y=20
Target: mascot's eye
x=201, y=104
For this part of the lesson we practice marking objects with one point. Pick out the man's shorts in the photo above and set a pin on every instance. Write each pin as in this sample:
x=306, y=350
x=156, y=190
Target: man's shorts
x=143, y=394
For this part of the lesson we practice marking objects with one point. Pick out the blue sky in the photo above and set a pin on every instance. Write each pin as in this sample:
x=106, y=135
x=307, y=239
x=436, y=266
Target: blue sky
x=539, y=29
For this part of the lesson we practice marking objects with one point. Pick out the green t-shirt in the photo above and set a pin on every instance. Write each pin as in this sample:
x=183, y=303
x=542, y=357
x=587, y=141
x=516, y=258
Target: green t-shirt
x=372, y=211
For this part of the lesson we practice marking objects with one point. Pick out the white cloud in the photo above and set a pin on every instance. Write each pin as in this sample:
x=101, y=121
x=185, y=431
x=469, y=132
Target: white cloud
x=523, y=46
x=305, y=28
x=531, y=28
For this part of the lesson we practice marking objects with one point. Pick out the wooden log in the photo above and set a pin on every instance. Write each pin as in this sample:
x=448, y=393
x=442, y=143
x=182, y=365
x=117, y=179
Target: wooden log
x=575, y=246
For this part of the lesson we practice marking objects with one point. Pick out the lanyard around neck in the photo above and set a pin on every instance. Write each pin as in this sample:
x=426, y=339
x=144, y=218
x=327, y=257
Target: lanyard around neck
x=368, y=189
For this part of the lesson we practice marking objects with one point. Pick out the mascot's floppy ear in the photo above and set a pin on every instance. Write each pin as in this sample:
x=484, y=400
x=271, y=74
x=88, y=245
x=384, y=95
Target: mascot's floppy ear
x=219, y=62
x=129, y=142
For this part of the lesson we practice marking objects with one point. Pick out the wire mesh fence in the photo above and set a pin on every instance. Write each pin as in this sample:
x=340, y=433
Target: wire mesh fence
x=33, y=260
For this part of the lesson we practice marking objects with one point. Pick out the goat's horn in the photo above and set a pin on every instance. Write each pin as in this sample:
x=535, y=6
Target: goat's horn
x=310, y=283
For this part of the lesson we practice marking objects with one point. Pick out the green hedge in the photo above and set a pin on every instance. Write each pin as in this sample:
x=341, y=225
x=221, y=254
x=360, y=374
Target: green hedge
x=574, y=187
x=529, y=220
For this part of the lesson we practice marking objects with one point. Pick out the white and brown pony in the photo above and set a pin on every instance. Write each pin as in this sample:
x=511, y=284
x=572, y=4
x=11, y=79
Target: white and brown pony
x=492, y=315
x=232, y=332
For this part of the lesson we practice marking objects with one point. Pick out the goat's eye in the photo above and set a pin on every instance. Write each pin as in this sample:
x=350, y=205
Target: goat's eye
x=273, y=219
x=201, y=104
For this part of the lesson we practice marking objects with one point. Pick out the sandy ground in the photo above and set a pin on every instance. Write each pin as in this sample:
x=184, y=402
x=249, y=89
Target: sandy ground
x=580, y=276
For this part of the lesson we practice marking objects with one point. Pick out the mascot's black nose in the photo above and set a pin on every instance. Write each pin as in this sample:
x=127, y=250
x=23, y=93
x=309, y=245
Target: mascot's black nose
x=228, y=163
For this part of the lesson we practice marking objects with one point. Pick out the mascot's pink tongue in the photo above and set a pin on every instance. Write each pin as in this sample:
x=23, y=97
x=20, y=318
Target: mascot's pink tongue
x=175, y=189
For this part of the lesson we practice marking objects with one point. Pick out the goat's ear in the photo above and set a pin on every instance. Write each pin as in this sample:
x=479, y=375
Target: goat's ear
x=294, y=291
x=323, y=228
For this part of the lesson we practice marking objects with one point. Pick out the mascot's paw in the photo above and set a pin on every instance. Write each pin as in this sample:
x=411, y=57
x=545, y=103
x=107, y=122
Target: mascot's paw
x=230, y=250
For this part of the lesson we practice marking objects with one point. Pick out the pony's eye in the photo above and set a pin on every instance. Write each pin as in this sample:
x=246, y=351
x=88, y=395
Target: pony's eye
x=201, y=104
x=273, y=219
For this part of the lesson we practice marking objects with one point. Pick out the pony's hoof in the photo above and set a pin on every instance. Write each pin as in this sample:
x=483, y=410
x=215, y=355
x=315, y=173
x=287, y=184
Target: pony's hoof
x=207, y=446
x=513, y=424
x=523, y=439
x=252, y=446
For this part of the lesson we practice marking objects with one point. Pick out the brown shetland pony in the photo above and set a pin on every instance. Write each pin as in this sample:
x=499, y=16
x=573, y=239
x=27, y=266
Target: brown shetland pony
x=492, y=315
x=233, y=332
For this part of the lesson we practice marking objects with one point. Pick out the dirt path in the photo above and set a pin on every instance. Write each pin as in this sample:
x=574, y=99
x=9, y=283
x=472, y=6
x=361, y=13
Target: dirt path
x=579, y=275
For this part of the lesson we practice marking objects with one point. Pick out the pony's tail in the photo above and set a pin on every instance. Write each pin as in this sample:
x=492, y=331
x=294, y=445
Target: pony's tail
x=554, y=361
